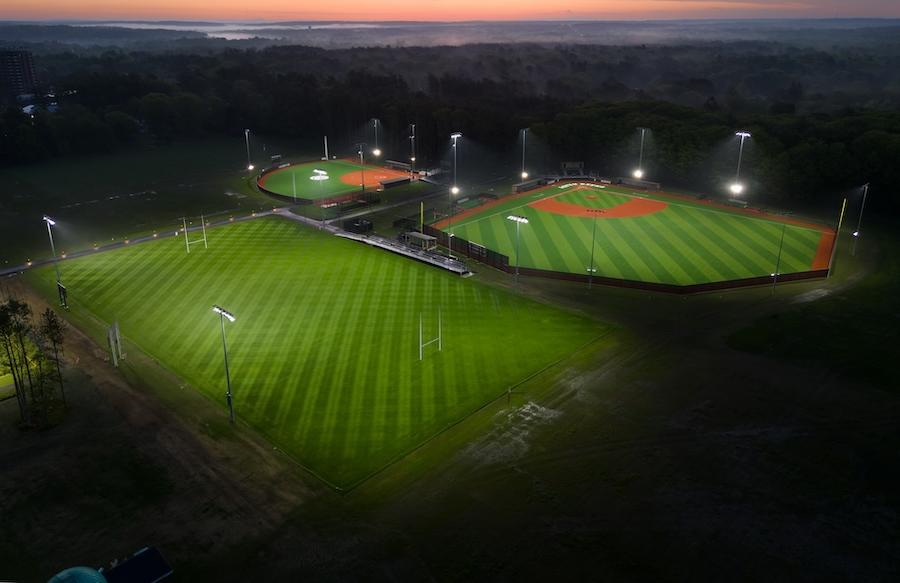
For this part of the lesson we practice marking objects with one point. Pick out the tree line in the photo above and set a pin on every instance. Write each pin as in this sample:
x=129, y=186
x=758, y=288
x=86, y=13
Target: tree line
x=31, y=351
x=123, y=99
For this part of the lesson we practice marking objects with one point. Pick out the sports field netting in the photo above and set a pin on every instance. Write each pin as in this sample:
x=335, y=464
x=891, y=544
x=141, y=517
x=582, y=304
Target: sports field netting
x=343, y=178
x=642, y=237
x=324, y=352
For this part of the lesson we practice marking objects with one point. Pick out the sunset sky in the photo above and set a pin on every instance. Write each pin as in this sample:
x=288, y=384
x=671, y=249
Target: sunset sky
x=442, y=9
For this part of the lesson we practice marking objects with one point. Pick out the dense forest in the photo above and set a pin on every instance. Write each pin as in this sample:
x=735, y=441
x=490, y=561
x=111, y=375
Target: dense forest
x=582, y=102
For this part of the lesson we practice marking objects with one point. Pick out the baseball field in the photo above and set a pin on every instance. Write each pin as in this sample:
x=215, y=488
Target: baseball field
x=327, y=179
x=574, y=227
x=324, y=352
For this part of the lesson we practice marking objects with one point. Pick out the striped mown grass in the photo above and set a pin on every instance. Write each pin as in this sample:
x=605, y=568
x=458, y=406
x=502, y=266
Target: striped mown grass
x=324, y=352
x=682, y=242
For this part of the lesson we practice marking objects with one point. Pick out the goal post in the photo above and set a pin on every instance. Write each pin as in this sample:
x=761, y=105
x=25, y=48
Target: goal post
x=439, y=339
x=187, y=240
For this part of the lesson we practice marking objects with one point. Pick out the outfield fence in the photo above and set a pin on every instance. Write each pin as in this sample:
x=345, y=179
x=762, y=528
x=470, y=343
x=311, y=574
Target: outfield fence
x=499, y=261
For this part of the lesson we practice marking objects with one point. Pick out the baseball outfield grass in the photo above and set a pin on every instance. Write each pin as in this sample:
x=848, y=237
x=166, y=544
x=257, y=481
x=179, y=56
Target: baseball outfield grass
x=642, y=237
x=325, y=179
x=324, y=352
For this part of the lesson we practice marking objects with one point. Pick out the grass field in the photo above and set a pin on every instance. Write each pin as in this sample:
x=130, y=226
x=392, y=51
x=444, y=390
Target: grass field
x=324, y=352
x=642, y=237
x=853, y=331
x=101, y=198
x=344, y=178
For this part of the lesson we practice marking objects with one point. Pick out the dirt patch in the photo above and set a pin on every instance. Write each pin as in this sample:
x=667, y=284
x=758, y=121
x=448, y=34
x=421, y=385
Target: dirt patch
x=373, y=176
x=635, y=207
x=823, y=251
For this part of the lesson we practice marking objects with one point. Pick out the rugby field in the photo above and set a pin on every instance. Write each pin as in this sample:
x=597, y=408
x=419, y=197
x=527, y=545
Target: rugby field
x=324, y=352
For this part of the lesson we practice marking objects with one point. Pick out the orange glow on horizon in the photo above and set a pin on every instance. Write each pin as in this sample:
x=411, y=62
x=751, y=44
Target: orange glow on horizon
x=439, y=10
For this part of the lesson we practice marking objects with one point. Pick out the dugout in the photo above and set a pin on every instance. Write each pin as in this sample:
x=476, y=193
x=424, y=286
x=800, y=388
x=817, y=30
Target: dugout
x=636, y=183
x=397, y=165
x=394, y=182
x=359, y=226
x=420, y=240
x=527, y=185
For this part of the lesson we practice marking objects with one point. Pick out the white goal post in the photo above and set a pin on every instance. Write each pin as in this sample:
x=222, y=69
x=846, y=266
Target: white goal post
x=439, y=339
x=187, y=240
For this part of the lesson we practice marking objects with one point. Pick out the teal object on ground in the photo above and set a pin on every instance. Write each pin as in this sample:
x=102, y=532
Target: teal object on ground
x=78, y=575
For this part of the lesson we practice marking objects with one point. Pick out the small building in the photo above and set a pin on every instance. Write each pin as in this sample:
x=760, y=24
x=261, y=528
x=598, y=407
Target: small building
x=420, y=240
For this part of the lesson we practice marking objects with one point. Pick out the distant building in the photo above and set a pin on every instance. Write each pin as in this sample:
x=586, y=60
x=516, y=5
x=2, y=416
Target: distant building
x=16, y=73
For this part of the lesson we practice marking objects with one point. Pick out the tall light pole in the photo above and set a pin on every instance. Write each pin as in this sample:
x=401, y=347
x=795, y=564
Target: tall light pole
x=223, y=315
x=60, y=288
x=778, y=261
x=519, y=221
x=524, y=140
x=454, y=189
x=862, y=207
x=837, y=237
x=377, y=151
x=247, y=140
x=594, y=213
x=736, y=186
x=50, y=222
x=639, y=171
x=361, y=149
x=412, y=147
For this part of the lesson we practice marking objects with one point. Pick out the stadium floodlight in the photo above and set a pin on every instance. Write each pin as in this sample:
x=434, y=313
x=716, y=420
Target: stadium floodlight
x=524, y=141
x=376, y=151
x=454, y=190
x=639, y=172
x=223, y=315
x=250, y=166
x=736, y=187
x=50, y=223
x=859, y=222
x=518, y=220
